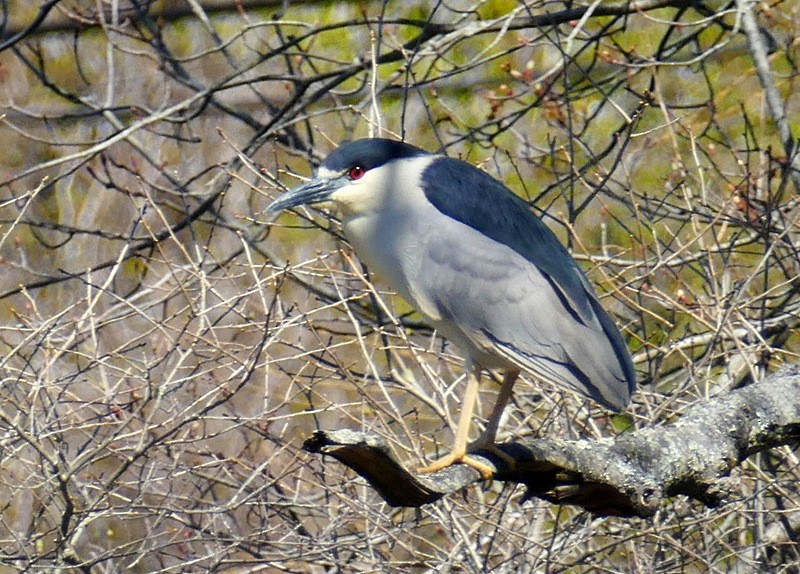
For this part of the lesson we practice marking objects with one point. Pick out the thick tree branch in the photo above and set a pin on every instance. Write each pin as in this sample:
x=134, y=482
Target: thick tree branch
x=630, y=475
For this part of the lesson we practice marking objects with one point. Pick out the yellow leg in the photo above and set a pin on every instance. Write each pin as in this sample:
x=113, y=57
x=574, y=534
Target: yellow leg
x=486, y=442
x=459, y=451
x=489, y=434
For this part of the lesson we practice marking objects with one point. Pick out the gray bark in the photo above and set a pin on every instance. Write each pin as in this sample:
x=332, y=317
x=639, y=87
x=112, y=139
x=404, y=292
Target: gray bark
x=630, y=475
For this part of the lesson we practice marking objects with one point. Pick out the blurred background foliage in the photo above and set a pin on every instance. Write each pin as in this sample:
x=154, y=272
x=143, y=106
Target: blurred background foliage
x=166, y=351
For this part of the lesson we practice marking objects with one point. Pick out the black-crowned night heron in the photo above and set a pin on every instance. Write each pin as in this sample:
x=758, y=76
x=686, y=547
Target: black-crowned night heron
x=489, y=275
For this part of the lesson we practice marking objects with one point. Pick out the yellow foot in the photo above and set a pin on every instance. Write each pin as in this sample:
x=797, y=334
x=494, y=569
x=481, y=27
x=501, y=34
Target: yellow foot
x=487, y=472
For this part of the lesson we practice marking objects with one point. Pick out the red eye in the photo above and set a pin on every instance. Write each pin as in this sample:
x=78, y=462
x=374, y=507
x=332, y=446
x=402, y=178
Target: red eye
x=356, y=172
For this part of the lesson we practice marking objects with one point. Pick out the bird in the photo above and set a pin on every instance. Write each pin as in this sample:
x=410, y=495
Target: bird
x=488, y=273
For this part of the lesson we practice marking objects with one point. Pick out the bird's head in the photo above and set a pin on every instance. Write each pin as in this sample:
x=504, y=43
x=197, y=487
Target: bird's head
x=354, y=177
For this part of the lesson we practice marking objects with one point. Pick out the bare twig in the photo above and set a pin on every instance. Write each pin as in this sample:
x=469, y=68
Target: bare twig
x=758, y=51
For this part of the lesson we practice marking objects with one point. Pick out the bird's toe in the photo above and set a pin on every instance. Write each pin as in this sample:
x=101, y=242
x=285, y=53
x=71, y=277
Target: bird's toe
x=486, y=471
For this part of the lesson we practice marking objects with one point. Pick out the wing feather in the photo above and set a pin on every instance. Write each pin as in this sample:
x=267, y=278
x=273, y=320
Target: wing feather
x=493, y=302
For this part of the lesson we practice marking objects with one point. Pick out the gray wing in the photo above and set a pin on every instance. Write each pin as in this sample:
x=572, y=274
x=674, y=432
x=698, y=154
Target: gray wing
x=474, y=198
x=498, y=304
